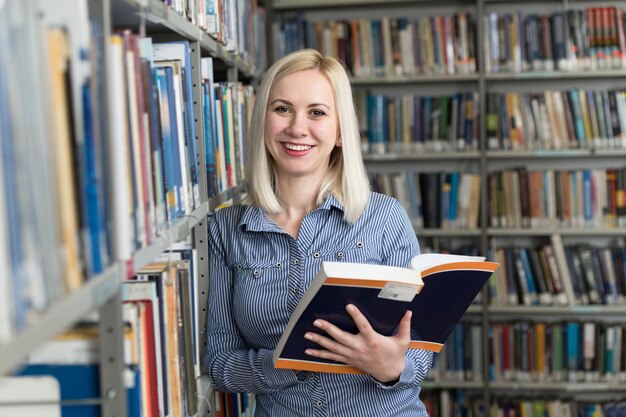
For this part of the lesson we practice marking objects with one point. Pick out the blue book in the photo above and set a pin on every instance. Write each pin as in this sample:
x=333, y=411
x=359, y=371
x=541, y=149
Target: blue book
x=572, y=347
x=455, y=178
x=209, y=153
x=93, y=195
x=447, y=285
x=166, y=138
x=377, y=122
x=180, y=51
x=177, y=179
x=82, y=382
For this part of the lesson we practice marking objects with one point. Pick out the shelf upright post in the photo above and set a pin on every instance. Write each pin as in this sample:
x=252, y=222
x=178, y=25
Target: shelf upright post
x=112, y=387
x=200, y=231
x=200, y=242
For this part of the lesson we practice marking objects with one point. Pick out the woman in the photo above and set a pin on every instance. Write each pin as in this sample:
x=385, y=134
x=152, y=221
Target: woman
x=308, y=202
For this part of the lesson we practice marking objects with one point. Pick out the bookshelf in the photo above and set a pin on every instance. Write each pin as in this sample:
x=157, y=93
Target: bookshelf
x=99, y=293
x=314, y=24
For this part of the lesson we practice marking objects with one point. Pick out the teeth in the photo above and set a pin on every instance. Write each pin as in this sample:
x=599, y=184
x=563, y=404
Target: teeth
x=293, y=147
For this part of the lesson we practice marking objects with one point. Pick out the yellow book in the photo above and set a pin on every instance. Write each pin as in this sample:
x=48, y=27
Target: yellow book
x=58, y=60
x=540, y=350
x=585, y=115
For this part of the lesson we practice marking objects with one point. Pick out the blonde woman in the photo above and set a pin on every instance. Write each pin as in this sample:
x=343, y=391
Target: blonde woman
x=309, y=201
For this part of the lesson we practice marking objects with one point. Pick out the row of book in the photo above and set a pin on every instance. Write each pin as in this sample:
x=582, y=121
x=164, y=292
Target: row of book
x=238, y=25
x=52, y=210
x=573, y=40
x=411, y=123
x=561, y=352
x=567, y=119
x=580, y=198
x=461, y=359
x=240, y=404
x=161, y=346
x=81, y=192
x=460, y=403
x=386, y=46
x=453, y=403
x=446, y=200
x=553, y=274
x=548, y=407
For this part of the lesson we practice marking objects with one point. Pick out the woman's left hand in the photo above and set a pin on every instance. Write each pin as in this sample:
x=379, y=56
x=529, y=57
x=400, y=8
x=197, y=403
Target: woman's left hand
x=380, y=356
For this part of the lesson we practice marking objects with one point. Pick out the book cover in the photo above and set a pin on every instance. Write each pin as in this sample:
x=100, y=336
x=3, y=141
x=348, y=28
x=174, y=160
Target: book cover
x=438, y=289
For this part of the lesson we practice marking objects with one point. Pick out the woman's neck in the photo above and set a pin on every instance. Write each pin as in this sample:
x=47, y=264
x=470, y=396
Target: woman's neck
x=297, y=198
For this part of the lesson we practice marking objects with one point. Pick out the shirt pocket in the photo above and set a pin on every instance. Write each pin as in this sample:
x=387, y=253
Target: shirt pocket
x=260, y=291
x=357, y=251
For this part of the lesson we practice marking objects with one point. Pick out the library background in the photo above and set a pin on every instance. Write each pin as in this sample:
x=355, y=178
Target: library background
x=499, y=125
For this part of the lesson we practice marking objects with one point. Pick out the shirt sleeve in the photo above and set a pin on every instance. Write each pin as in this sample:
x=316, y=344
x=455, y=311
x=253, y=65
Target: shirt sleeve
x=232, y=366
x=399, y=245
x=398, y=241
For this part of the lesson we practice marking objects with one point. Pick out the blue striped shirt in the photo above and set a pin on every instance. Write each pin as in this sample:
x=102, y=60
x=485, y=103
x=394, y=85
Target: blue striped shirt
x=259, y=274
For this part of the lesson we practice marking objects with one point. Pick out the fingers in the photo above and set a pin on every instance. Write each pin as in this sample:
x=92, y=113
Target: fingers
x=359, y=319
x=337, y=341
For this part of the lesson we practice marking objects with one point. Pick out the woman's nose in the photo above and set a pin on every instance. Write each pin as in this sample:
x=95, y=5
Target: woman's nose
x=297, y=127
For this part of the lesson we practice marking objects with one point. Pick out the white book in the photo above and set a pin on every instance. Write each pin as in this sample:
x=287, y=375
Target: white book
x=135, y=144
x=27, y=396
x=565, y=276
x=119, y=196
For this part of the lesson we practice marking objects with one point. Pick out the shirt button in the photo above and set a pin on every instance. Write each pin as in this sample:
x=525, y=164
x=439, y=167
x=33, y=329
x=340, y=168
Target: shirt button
x=359, y=244
x=302, y=376
x=296, y=262
x=340, y=254
x=316, y=255
x=319, y=403
x=294, y=289
x=279, y=264
x=256, y=272
x=239, y=266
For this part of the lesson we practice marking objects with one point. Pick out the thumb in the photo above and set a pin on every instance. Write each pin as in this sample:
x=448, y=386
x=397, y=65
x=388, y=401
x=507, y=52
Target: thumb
x=404, y=329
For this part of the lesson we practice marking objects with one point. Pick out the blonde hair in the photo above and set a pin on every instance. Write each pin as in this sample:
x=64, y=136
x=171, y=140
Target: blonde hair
x=346, y=179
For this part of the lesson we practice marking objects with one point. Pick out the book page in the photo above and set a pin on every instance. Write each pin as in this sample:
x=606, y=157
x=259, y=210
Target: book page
x=424, y=261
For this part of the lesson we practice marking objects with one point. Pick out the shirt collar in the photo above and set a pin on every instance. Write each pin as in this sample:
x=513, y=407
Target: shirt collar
x=254, y=218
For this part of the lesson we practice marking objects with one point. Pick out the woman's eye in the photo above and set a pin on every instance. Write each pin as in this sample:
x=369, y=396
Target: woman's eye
x=281, y=109
x=317, y=113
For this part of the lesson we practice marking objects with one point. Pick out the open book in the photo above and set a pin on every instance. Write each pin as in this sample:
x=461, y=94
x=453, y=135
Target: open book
x=438, y=288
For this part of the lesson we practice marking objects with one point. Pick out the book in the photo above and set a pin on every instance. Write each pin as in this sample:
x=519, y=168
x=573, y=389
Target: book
x=438, y=289
x=26, y=396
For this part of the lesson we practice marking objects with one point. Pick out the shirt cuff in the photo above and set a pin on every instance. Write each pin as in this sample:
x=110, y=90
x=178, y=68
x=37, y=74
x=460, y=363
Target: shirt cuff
x=406, y=377
x=274, y=377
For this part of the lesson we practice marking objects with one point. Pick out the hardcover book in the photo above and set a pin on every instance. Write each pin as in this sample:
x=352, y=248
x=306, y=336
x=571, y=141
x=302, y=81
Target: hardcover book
x=438, y=289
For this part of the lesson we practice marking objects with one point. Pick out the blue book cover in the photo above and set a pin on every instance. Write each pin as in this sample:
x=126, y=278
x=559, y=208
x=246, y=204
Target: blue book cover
x=180, y=51
x=177, y=176
x=82, y=382
x=209, y=153
x=377, y=123
x=92, y=195
x=166, y=138
x=572, y=346
x=447, y=285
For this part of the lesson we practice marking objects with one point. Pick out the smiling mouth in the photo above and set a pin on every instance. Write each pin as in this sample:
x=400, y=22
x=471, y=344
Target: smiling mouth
x=294, y=147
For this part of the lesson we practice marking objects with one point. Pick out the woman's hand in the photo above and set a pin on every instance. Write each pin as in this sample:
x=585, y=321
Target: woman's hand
x=380, y=356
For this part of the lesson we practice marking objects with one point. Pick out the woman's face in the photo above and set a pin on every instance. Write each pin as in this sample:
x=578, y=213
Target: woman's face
x=301, y=124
